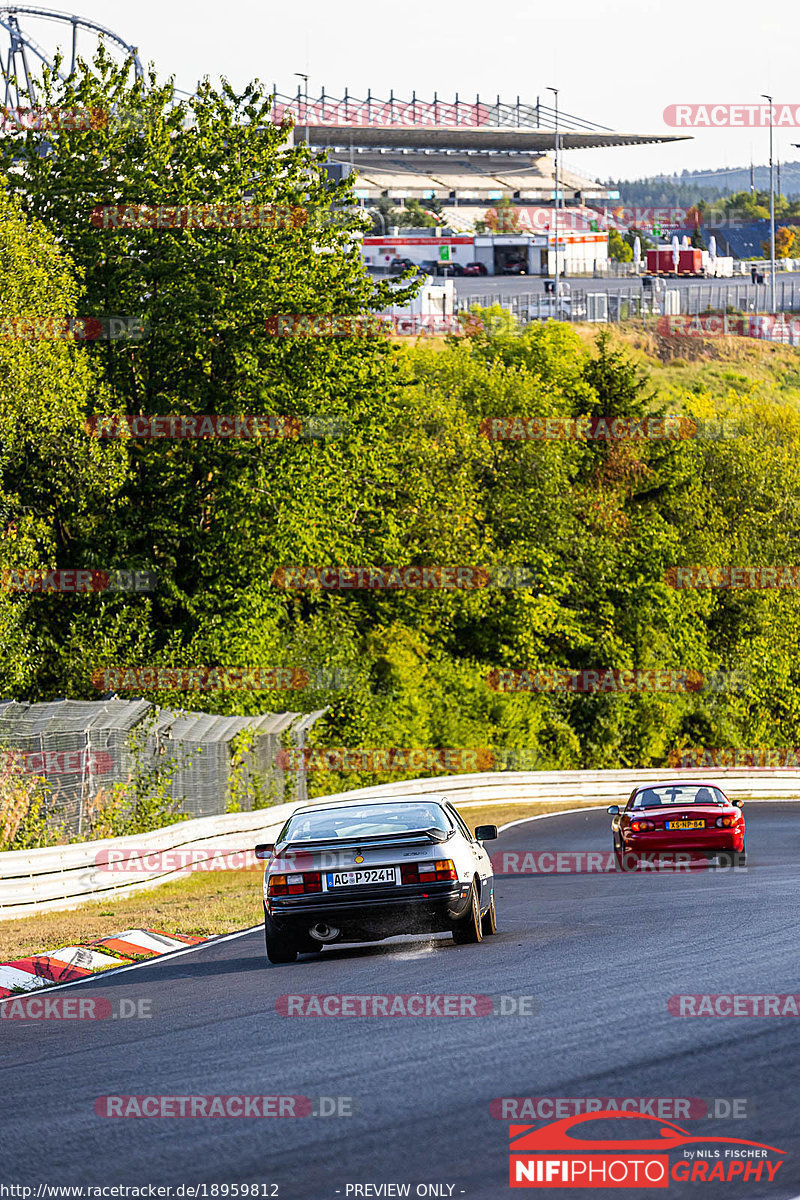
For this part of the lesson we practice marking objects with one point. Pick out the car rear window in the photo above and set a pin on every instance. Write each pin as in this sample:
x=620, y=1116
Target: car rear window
x=367, y=820
x=678, y=794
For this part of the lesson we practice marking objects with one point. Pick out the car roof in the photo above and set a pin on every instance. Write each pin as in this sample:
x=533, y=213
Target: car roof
x=680, y=783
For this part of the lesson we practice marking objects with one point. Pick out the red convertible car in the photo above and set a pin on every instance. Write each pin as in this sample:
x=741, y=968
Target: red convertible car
x=669, y=818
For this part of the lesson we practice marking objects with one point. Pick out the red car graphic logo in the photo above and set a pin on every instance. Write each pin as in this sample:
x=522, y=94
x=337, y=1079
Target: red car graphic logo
x=556, y=1137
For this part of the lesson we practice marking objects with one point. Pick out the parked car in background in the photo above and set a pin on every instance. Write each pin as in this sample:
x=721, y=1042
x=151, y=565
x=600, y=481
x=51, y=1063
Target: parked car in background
x=399, y=265
x=476, y=268
x=433, y=266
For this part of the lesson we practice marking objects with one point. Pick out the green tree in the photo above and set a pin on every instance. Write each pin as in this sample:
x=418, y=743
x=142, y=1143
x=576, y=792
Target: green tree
x=215, y=518
x=618, y=250
x=57, y=486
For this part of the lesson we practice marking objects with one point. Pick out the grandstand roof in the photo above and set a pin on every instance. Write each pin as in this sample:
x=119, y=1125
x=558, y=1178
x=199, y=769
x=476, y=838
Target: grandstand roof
x=486, y=138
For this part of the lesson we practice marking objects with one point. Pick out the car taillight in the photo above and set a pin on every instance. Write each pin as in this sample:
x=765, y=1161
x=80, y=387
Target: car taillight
x=443, y=868
x=724, y=822
x=294, y=885
x=428, y=872
x=642, y=826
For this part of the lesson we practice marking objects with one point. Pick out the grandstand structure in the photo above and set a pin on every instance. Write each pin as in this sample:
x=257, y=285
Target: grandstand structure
x=467, y=154
x=461, y=153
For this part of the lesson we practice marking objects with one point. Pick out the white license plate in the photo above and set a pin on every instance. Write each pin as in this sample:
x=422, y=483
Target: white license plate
x=361, y=878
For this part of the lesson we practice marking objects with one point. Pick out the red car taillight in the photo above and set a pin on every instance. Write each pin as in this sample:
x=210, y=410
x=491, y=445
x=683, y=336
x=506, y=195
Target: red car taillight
x=294, y=885
x=724, y=822
x=429, y=872
x=642, y=826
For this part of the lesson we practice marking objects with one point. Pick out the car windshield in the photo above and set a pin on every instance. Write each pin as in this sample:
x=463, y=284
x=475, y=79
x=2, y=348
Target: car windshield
x=684, y=793
x=364, y=820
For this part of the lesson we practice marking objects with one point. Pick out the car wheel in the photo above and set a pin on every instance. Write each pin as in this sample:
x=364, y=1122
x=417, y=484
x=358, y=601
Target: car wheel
x=489, y=920
x=280, y=949
x=628, y=860
x=467, y=930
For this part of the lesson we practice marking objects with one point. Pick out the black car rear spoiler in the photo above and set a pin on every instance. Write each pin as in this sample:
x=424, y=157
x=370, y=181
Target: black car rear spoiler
x=414, y=837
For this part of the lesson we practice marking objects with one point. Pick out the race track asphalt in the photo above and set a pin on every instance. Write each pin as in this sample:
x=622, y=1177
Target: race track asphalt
x=601, y=952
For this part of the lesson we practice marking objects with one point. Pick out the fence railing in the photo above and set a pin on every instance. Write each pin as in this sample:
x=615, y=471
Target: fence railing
x=636, y=301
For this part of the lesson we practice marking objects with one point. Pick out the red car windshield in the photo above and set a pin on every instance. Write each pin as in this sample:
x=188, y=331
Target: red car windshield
x=679, y=794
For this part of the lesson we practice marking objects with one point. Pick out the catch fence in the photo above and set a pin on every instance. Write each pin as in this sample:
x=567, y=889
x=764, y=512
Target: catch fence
x=205, y=763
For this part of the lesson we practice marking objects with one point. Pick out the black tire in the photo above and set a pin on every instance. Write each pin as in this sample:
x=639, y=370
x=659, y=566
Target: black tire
x=280, y=949
x=467, y=930
x=628, y=860
x=489, y=920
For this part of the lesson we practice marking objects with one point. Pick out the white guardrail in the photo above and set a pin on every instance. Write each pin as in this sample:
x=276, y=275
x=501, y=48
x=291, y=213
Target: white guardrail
x=63, y=877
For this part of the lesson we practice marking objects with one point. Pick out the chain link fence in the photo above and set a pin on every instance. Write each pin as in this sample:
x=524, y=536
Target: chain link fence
x=210, y=764
x=652, y=297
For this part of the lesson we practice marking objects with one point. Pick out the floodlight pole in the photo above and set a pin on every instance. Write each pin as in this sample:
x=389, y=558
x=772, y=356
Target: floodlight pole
x=771, y=213
x=304, y=78
x=555, y=214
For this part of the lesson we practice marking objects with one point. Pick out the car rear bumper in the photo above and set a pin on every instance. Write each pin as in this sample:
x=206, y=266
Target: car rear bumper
x=707, y=840
x=378, y=914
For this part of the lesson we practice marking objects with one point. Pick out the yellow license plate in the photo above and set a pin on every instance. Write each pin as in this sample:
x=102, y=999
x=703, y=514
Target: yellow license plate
x=686, y=824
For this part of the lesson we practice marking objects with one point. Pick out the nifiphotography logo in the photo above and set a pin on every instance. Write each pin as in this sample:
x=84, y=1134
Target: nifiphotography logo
x=570, y=1154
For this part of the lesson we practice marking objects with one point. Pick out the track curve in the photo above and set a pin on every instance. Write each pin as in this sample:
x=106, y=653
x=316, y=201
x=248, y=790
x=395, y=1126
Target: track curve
x=602, y=953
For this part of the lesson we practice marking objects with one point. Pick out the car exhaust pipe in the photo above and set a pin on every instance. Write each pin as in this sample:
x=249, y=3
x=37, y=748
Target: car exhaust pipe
x=323, y=933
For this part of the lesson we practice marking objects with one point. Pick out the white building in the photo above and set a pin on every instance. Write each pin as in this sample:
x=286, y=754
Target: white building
x=580, y=252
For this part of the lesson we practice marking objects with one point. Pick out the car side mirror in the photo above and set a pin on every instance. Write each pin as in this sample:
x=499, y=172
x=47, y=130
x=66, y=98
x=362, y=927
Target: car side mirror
x=265, y=849
x=736, y=803
x=485, y=833
x=613, y=810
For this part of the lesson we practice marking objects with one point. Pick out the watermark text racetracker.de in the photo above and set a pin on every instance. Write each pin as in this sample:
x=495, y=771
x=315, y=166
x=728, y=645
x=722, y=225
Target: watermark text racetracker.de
x=773, y=758
x=606, y=862
x=135, y=860
x=663, y=1108
x=451, y=760
x=76, y=1007
x=77, y=329
x=220, y=679
x=731, y=116
x=587, y=429
x=76, y=580
x=339, y=325
x=734, y=578
x=246, y=426
x=769, y=327
x=754, y=1004
x=609, y=680
x=198, y=1107
x=408, y=1005
x=404, y=578
x=56, y=762
x=197, y=216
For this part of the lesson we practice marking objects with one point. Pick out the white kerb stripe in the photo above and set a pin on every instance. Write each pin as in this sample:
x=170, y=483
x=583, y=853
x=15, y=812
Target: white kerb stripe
x=148, y=941
x=12, y=977
x=82, y=956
